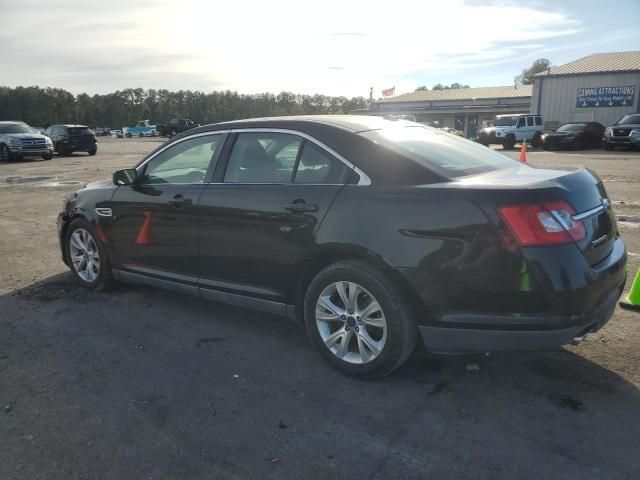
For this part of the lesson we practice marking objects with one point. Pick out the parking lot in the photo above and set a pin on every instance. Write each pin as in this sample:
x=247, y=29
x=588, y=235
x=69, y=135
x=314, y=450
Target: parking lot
x=139, y=383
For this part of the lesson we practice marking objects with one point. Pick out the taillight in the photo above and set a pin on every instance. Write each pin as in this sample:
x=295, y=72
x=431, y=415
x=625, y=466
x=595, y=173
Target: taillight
x=550, y=223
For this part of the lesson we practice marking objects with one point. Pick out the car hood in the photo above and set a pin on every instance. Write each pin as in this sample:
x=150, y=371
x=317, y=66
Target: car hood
x=100, y=184
x=25, y=135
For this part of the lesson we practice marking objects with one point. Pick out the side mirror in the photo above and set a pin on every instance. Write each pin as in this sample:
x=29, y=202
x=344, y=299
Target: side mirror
x=126, y=176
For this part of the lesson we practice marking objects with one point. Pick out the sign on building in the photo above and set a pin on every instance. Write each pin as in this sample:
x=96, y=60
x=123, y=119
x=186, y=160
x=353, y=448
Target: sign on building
x=605, y=97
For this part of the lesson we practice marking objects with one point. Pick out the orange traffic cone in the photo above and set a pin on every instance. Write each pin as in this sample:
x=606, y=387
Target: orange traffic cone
x=523, y=151
x=144, y=234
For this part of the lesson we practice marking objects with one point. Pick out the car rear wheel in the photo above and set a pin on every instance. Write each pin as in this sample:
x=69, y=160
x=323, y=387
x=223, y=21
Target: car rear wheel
x=509, y=142
x=92, y=151
x=536, y=141
x=358, y=320
x=608, y=146
x=87, y=256
x=6, y=154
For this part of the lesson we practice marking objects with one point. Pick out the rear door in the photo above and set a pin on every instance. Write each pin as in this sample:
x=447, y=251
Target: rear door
x=263, y=209
x=155, y=224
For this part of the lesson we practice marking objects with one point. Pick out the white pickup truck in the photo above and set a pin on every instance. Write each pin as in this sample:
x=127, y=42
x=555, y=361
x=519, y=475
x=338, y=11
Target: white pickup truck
x=507, y=130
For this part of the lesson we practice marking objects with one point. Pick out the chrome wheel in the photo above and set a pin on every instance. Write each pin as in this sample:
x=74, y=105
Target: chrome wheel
x=351, y=322
x=84, y=255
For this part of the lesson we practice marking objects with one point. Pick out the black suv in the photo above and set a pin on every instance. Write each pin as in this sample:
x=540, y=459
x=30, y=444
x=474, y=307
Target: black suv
x=72, y=138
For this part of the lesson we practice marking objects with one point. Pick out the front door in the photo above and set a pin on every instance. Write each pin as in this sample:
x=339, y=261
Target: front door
x=263, y=212
x=154, y=224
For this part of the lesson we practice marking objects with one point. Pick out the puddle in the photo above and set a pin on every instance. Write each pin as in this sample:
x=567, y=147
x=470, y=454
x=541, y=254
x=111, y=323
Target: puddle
x=18, y=180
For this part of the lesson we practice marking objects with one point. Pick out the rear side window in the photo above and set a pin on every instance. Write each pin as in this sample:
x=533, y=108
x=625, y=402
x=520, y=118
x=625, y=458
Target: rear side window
x=441, y=152
x=530, y=121
x=316, y=165
x=538, y=120
x=521, y=122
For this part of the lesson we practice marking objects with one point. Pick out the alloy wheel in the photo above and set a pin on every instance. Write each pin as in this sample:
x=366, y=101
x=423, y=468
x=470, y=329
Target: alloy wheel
x=351, y=322
x=84, y=255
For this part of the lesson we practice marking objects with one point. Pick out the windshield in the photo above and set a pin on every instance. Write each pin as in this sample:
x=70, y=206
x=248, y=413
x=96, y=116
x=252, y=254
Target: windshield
x=571, y=127
x=629, y=119
x=446, y=154
x=16, y=128
x=505, y=121
x=78, y=130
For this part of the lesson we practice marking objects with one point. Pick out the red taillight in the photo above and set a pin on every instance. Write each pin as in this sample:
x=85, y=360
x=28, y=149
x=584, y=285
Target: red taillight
x=547, y=224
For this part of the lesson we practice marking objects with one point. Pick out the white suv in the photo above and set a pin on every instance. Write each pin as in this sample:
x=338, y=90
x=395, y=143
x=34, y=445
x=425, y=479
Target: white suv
x=507, y=130
x=19, y=140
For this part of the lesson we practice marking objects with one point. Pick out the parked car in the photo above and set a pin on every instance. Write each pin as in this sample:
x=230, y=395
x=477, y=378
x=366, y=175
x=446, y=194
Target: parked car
x=18, y=140
x=72, y=138
x=459, y=133
x=370, y=231
x=142, y=129
x=175, y=126
x=507, y=130
x=625, y=132
x=117, y=133
x=575, y=136
x=102, y=131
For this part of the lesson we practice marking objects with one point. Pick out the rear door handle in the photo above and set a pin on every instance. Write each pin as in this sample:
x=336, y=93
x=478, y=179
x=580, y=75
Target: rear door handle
x=300, y=207
x=179, y=201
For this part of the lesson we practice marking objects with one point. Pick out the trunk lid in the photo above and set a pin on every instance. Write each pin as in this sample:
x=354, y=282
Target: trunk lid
x=582, y=189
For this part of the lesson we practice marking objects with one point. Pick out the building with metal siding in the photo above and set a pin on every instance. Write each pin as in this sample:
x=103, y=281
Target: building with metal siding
x=601, y=87
x=466, y=109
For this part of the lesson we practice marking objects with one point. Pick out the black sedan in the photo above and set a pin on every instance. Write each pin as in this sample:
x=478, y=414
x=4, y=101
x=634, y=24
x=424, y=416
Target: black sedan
x=574, y=136
x=371, y=232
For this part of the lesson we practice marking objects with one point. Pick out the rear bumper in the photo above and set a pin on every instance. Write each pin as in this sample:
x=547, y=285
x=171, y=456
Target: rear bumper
x=466, y=340
x=566, y=299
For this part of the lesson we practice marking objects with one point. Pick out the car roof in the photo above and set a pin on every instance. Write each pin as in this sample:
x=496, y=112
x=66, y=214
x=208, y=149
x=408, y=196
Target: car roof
x=341, y=133
x=11, y=122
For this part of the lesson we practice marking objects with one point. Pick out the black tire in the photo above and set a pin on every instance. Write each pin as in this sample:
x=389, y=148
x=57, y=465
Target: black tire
x=536, y=141
x=173, y=134
x=62, y=150
x=47, y=156
x=400, y=322
x=92, y=151
x=104, y=279
x=6, y=154
x=509, y=142
x=607, y=146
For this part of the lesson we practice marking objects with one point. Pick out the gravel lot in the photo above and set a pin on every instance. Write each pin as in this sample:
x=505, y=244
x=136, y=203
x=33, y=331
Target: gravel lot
x=144, y=384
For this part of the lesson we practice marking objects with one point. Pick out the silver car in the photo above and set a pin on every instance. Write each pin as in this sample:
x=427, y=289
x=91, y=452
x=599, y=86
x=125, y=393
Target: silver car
x=18, y=140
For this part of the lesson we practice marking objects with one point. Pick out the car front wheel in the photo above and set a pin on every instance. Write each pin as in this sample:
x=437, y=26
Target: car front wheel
x=6, y=154
x=358, y=320
x=87, y=256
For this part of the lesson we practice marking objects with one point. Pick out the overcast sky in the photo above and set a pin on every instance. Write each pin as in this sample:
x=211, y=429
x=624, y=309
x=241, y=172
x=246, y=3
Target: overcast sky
x=333, y=47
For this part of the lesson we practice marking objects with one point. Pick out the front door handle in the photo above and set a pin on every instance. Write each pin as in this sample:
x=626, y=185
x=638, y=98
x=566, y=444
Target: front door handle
x=179, y=201
x=300, y=207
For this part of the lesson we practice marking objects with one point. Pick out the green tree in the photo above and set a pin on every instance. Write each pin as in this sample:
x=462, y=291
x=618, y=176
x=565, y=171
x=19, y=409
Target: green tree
x=538, y=66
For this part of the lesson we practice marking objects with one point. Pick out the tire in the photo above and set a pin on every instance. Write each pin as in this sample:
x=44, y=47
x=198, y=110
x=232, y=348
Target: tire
x=6, y=154
x=173, y=134
x=47, y=156
x=536, y=141
x=98, y=280
x=396, y=339
x=92, y=151
x=607, y=146
x=509, y=142
x=62, y=150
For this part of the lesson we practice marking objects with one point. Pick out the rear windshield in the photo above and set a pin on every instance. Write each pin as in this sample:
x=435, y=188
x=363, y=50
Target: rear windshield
x=16, y=128
x=78, y=130
x=441, y=152
x=572, y=127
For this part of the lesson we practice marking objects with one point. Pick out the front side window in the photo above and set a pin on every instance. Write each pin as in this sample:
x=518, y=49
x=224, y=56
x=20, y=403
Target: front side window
x=316, y=165
x=184, y=162
x=521, y=122
x=263, y=157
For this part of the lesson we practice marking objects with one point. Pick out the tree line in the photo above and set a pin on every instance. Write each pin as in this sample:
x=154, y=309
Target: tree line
x=47, y=106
